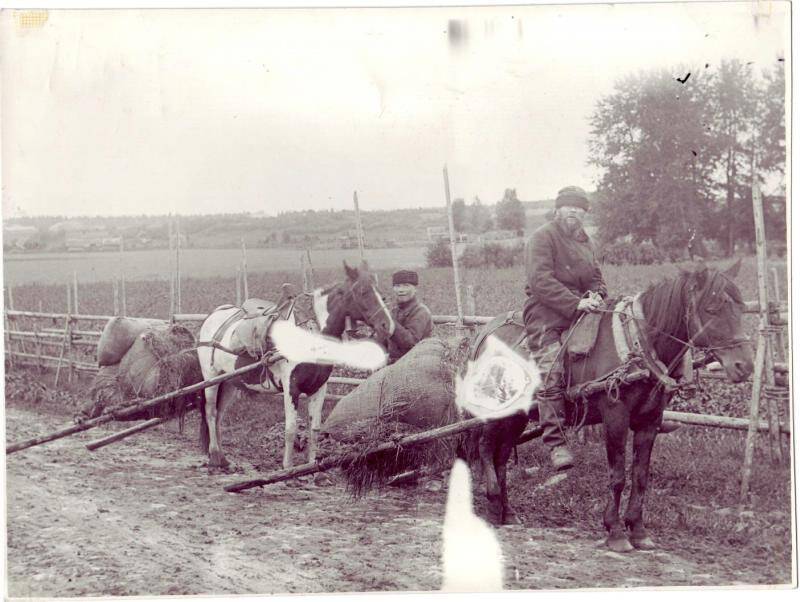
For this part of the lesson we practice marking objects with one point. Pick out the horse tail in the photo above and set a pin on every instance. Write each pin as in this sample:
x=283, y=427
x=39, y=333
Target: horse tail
x=204, y=437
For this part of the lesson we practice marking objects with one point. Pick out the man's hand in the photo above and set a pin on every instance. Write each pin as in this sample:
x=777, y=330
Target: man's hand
x=591, y=303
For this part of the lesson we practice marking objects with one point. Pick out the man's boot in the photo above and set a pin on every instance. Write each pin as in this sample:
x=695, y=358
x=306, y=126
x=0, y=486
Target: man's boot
x=551, y=417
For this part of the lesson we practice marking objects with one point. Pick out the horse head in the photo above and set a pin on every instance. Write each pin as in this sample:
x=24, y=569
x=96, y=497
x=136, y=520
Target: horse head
x=714, y=319
x=363, y=300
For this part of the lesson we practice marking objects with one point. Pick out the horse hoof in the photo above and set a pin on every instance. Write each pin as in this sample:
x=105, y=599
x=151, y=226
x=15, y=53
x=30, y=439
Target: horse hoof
x=619, y=544
x=217, y=460
x=643, y=543
x=512, y=518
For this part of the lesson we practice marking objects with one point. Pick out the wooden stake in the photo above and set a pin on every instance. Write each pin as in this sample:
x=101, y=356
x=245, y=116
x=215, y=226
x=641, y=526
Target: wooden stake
x=245, y=290
x=116, y=295
x=238, y=287
x=171, y=271
x=75, y=309
x=470, y=301
x=762, y=348
x=781, y=343
x=451, y=226
x=359, y=227
x=123, y=294
x=63, y=349
x=10, y=291
x=177, y=264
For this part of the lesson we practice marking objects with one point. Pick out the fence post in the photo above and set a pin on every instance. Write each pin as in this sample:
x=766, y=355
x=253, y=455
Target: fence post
x=75, y=292
x=122, y=293
x=238, y=286
x=762, y=348
x=359, y=227
x=171, y=270
x=245, y=290
x=177, y=265
x=470, y=301
x=460, y=310
x=116, y=295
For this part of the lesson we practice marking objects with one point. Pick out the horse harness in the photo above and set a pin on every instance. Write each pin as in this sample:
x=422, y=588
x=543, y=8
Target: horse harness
x=270, y=356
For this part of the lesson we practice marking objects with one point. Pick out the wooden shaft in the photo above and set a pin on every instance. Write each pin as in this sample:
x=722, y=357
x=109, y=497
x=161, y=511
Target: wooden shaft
x=359, y=229
x=726, y=422
x=138, y=428
x=332, y=461
x=177, y=264
x=116, y=415
x=98, y=443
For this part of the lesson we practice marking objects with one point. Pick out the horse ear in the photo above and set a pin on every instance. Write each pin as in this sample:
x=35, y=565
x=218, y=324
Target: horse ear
x=733, y=271
x=352, y=273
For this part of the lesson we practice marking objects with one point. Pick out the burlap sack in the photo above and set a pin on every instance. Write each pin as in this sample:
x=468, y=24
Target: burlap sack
x=418, y=391
x=118, y=336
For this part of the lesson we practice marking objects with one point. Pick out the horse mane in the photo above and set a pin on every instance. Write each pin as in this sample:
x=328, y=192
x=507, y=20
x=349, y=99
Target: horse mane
x=664, y=303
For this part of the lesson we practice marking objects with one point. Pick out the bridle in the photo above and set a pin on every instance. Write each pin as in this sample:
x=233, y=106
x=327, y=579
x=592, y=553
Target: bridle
x=351, y=293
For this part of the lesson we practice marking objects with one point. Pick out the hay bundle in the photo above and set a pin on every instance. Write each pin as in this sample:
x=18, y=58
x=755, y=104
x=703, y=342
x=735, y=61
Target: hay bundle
x=160, y=360
x=417, y=393
x=118, y=336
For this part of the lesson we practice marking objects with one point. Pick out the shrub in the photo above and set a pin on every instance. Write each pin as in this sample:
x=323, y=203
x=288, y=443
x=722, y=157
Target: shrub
x=492, y=255
x=627, y=253
x=438, y=254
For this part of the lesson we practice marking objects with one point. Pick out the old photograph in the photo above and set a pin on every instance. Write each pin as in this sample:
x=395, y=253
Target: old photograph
x=458, y=298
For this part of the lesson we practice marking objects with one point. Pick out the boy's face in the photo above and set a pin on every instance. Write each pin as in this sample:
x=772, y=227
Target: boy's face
x=404, y=292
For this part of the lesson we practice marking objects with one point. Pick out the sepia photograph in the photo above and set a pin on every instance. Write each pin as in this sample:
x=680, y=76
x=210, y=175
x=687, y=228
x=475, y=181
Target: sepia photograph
x=445, y=297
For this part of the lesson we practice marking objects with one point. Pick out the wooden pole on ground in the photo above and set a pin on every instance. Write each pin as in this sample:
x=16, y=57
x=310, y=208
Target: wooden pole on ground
x=451, y=226
x=129, y=411
x=245, y=290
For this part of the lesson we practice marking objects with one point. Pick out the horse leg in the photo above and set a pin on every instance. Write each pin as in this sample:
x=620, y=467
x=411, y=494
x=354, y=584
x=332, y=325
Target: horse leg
x=486, y=449
x=315, y=404
x=616, y=425
x=215, y=457
x=290, y=427
x=503, y=451
x=642, y=447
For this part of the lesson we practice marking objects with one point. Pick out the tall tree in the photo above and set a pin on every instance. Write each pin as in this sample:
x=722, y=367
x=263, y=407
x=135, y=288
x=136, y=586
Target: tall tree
x=509, y=212
x=734, y=125
x=651, y=141
x=480, y=218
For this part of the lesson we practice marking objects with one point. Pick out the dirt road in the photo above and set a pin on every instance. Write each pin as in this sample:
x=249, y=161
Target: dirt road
x=144, y=517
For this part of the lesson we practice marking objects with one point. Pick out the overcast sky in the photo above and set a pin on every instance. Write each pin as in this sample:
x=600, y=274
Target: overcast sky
x=203, y=111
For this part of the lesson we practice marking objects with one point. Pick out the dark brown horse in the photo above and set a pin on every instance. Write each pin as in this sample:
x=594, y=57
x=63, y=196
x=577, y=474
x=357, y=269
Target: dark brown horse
x=698, y=309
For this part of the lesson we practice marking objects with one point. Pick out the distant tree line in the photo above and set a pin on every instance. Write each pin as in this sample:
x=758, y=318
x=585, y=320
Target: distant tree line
x=678, y=152
x=509, y=214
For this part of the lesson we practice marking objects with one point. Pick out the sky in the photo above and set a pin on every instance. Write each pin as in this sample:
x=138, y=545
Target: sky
x=137, y=111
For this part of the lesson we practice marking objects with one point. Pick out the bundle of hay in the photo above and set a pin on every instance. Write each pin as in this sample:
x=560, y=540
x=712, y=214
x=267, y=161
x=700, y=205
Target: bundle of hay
x=415, y=394
x=161, y=359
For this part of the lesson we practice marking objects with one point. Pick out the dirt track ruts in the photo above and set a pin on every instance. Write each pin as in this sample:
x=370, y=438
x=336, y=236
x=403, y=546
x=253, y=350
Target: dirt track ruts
x=144, y=517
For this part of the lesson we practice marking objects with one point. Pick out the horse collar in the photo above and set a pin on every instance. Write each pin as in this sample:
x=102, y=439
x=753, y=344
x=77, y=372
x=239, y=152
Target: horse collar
x=631, y=339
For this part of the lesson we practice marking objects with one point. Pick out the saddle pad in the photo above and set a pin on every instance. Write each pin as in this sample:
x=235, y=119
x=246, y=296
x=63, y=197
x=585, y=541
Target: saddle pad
x=250, y=334
x=258, y=307
x=583, y=335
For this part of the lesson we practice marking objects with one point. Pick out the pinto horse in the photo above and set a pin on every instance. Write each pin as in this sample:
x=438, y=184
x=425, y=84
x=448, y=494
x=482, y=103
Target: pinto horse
x=357, y=297
x=697, y=309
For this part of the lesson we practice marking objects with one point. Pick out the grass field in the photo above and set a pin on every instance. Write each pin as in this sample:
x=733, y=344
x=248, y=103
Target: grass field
x=154, y=264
